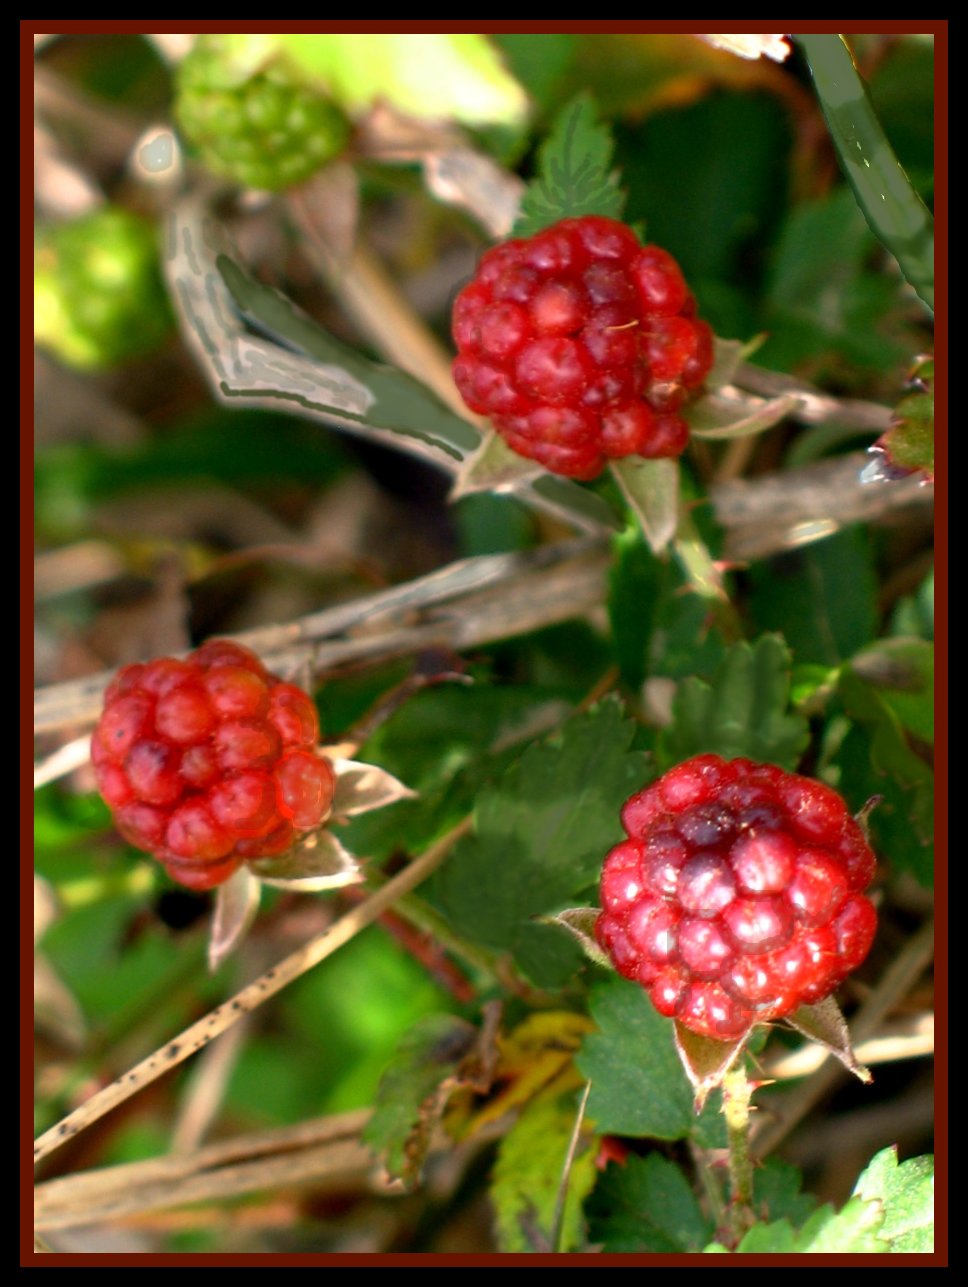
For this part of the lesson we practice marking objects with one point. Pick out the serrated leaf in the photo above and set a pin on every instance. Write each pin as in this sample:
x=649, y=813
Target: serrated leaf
x=493, y=467
x=854, y=1229
x=824, y=1024
x=646, y=1204
x=743, y=712
x=448, y=741
x=413, y=1093
x=349, y=384
x=361, y=788
x=527, y=1175
x=651, y=488
x=428, y=75
x=236, y=904
x=638, y=1085
x=706, y=1061
x=716, y=418
x=580, y=923
x=318, y=861
x=574, y=172
x=542, y=833
x=906, y=1193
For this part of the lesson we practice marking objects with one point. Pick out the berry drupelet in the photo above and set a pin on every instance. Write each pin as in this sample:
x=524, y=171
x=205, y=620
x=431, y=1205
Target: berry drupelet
x=738, y=895
x=210, y=761
x=581, y=345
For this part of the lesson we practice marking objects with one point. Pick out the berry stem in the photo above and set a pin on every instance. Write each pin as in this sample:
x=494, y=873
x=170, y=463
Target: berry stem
x=737, y=1091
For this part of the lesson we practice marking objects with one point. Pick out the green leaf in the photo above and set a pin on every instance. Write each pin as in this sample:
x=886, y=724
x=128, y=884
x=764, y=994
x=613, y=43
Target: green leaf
x=822, y=297
x=902, y=672
x=574, y=172
x=891, y=1210
x=435, y=75
x=542, y=832
x=914, y=614
x=638, y=1084
x=646, y=1204
x=743, y=712
x=821, y=598
x=527, y=1175
x=906, y=1193
x=854, y=1229
x=352, y=387
x=777, y=1195
x=893, y=209
x=878, y=758
x=413, y=1092
x=448, y=741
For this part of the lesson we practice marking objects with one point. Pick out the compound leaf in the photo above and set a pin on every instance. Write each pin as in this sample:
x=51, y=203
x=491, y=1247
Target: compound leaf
x=743, y=712
x=574, y=172
x=647, y=1204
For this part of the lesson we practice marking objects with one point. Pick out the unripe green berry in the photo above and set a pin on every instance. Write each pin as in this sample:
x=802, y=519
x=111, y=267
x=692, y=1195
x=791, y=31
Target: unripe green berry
x=98, y=294
x=255, y=120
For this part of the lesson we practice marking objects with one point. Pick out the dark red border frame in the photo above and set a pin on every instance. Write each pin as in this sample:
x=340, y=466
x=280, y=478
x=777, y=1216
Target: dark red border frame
x=30, y=27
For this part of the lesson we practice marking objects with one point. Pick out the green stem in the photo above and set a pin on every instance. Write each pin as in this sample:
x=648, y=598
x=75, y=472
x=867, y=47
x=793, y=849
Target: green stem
x=737, y=1090
x=704, y=577
x=895, y=212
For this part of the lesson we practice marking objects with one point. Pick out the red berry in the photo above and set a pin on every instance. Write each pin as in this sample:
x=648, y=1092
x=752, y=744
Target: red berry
x=581, y=318
x=738, y=895
x=210, y=761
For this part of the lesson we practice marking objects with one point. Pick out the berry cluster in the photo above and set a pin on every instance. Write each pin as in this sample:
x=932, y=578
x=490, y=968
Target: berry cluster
x=581, y=345
x=267, y=129
x=210, y=761
x=738, y=896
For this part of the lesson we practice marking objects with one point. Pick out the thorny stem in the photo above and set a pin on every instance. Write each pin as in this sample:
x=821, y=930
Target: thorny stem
x=737, y=1091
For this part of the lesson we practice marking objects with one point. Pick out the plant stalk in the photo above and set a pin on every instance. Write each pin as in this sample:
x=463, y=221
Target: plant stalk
x=737, y=1091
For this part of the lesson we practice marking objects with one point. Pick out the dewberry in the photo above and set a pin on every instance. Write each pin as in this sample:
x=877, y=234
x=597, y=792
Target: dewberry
x=738, y=895
x=580, y=345
x=210, y=761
